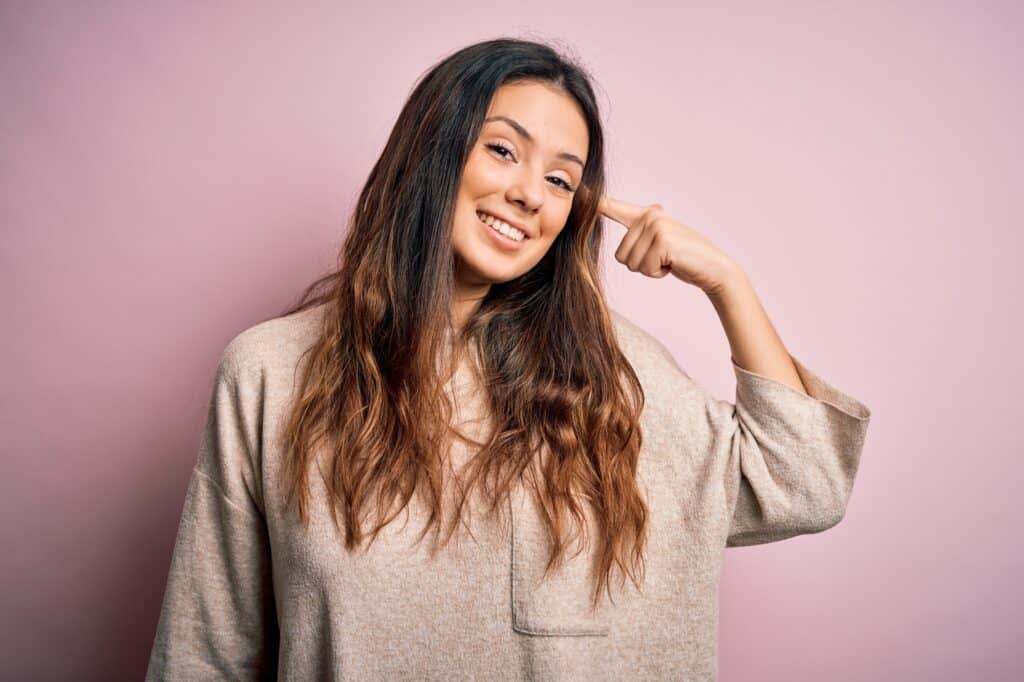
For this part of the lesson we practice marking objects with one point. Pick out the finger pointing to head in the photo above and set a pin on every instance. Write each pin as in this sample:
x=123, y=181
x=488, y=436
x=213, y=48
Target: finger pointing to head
x=621, y=211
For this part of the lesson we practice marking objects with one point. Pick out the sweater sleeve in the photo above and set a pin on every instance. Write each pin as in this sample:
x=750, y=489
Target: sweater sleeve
x=787, y=460
x=792, y=457
x=217, y=619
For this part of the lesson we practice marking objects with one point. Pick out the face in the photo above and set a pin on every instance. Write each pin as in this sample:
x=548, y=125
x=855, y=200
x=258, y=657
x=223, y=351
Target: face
x=524, y=169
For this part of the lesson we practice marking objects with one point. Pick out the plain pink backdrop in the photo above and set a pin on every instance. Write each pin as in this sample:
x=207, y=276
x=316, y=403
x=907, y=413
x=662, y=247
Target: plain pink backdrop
x=172, y=175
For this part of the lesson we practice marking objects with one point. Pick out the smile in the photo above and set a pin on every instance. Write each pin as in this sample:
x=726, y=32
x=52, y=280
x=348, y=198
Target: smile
x=501, y=227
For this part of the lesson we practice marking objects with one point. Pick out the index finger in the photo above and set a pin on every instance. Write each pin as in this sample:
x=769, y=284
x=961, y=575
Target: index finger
x=620, y=211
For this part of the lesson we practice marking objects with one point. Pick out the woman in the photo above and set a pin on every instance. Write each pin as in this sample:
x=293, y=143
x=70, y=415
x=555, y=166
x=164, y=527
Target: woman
x=462, y=370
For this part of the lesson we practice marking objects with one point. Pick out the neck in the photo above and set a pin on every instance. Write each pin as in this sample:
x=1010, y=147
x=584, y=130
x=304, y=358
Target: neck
x=466, y=299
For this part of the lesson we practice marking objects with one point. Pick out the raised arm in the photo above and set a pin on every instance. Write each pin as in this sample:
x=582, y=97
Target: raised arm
x=787, y=419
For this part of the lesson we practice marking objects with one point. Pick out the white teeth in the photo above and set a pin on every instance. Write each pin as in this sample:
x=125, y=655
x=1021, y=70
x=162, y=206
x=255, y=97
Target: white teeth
x=501, y=226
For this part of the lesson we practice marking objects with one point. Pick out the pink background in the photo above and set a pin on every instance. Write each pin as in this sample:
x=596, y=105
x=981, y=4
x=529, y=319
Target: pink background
x=172, y=175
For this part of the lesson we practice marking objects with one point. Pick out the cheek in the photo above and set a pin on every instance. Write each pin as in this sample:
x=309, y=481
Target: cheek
x=553, y=223
x=480, y=177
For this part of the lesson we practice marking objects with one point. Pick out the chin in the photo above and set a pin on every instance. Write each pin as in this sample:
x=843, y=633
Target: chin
x=488, y=268
x=485, y=263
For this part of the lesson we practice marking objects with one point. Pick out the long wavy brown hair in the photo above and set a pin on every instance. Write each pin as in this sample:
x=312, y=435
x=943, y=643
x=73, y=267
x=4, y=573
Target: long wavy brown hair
x=554, y=379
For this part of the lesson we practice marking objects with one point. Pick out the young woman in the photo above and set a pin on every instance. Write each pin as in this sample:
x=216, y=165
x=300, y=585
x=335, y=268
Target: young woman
x=461, y=376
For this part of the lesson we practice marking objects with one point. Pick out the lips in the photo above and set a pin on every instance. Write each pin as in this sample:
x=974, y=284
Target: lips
x=500, y=240
x=510, y=223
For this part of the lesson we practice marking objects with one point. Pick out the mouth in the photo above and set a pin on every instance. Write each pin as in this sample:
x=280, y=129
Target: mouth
x=502, y=228
x=502, y=235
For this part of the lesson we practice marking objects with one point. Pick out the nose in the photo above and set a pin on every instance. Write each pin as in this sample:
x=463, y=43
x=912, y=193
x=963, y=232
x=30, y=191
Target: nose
x=526, y=191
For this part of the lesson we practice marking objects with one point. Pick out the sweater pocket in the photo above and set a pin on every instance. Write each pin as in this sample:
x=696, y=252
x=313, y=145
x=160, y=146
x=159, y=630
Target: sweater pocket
x=560, y=604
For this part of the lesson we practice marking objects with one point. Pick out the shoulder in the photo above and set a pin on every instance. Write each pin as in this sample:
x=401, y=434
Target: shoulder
x=671, y=391
x=273, y=344
x=643, y=350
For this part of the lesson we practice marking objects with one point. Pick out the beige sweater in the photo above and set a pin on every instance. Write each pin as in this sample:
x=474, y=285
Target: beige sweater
x=251, y=595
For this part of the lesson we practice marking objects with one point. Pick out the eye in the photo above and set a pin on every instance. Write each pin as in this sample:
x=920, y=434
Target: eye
x=565, y=184
x=496, y=147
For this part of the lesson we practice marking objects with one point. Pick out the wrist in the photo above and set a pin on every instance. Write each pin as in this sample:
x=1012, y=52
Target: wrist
x=731, y=279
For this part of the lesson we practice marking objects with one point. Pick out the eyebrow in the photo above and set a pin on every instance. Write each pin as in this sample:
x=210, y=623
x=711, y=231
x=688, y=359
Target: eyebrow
x=526, y=134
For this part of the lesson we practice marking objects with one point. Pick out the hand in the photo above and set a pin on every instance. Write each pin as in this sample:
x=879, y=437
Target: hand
x=656, y=245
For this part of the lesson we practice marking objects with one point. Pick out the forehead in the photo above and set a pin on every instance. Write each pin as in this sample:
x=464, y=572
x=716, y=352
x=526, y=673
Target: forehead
x=552, y=117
